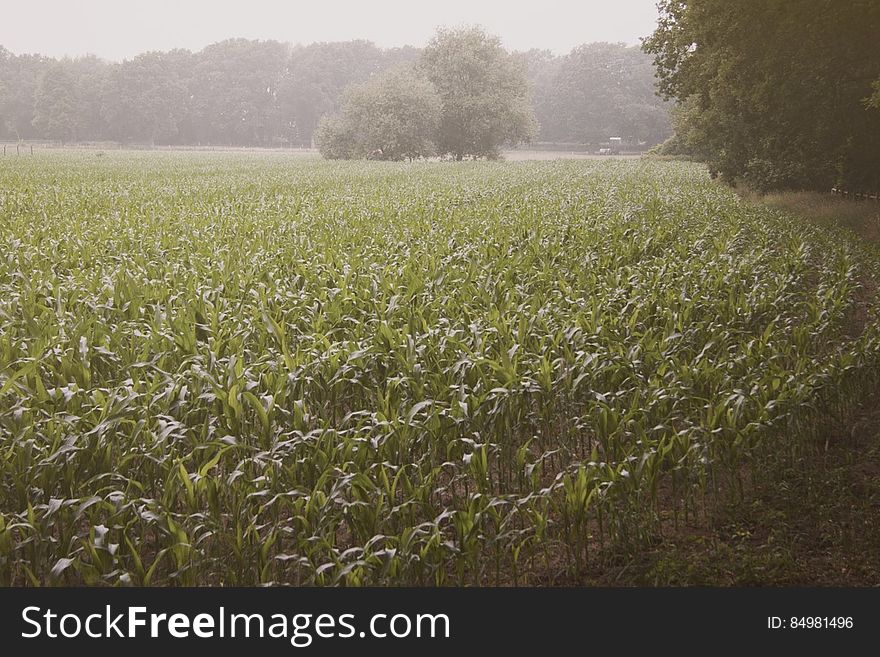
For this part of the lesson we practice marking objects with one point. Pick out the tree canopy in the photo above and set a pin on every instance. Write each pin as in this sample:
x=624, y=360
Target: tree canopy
x=484, y=93
x=772, y=92
x=56, y=104
x=393, y=116
x=596, y=91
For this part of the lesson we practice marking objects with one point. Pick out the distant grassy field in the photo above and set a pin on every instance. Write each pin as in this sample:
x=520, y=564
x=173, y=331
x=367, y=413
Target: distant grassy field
x=252, y=368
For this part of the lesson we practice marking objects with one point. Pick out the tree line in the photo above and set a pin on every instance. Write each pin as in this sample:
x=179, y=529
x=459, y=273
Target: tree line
x=243, y=92
x=774, y=93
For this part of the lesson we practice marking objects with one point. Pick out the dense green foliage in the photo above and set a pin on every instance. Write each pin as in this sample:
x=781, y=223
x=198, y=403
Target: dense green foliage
x=55, y=113
x=596, y=91
x=483, y=90
x=775, y=92
x=467, y=97
x=243, y=369
x=235, y=92
x=393, y=116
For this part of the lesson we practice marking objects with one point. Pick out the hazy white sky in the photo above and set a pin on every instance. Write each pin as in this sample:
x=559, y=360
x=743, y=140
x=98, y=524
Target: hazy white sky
x=116, y=29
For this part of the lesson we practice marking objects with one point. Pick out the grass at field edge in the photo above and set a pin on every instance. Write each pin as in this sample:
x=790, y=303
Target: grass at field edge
x=819, y=525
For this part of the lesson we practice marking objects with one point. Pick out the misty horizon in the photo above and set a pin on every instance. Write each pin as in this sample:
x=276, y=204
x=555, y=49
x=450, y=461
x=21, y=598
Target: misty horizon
x=116, y=32
x=273, y=94
x=293, y=45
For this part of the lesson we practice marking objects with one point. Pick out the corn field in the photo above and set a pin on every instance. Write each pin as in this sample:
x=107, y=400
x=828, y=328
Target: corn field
x=241, y=369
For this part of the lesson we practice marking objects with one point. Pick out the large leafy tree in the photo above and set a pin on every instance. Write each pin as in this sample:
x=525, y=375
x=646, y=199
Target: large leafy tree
x=56, y=104
x=598, y=90
x=19, y=77
x=234, y=91
x=146, y=99
x=484, y=91
x=775, y=91
x=90, y=78
x=6, y=58
x=542, y=68
x=315, y=78
x=393, y=116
